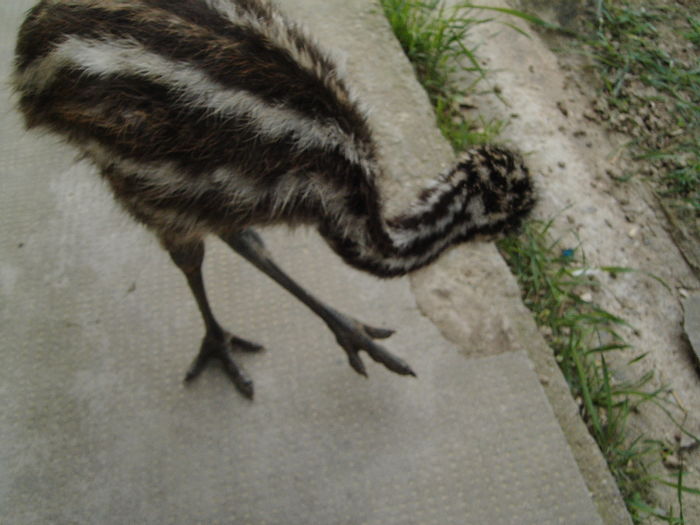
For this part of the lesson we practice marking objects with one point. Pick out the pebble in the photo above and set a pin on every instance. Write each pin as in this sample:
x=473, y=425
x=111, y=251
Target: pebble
x=673, y=462
x=687, y=443
x=691, y=321
x=590, y=116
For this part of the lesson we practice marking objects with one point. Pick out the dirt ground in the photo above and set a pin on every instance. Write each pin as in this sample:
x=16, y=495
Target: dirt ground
x=556, y=117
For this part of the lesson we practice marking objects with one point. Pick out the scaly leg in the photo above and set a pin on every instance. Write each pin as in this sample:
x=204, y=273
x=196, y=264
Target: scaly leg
x=352, y=335
x=217, y=342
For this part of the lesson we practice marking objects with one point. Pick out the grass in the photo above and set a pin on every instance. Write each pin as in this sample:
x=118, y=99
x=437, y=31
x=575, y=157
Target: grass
x=554, y=279
x=647, y=58
x=555, y=282
x=433, y=36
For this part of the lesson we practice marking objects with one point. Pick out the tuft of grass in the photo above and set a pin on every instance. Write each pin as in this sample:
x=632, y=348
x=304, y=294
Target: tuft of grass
x=433, y=36
x=555, y=282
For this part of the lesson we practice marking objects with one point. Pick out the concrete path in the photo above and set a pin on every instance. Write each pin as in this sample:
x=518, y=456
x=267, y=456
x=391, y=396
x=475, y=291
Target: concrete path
x=98, y=328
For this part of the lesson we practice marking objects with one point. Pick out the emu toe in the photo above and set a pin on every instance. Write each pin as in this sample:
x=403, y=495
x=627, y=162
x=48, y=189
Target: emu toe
x=221, y=348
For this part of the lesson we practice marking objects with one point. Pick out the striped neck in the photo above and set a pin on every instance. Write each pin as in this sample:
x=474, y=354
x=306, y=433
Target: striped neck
x=489, y=191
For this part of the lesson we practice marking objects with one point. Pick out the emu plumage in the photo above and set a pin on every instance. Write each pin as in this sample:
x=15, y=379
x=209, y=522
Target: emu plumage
x=215, y=116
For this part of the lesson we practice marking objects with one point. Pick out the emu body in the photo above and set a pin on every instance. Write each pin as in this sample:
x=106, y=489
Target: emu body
x=215, y=116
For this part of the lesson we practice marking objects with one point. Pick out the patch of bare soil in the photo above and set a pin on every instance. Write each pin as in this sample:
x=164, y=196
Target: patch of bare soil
x=579, y=147
x=650, y=120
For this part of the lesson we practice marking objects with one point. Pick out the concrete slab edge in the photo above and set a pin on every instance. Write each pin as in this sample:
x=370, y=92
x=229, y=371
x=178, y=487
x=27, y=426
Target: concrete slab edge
x=462, y=315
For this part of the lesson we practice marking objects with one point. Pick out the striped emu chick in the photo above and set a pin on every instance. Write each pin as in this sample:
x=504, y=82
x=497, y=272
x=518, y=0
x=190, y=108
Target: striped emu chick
x=214, y=116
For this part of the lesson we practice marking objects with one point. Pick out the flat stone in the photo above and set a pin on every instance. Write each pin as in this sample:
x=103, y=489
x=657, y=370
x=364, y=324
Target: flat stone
x=691, y=322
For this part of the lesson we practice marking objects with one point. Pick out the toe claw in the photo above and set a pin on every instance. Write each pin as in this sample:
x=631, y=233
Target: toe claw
x=244, y=345
x=402, y=368
x=390, y=361
x=245, y=387
x=196, y=367
x=356, y=363
x=238, y=377
x=378, y=333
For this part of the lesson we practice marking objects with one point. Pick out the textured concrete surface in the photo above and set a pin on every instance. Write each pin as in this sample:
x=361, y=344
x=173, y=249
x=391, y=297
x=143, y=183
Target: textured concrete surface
x=99, y=327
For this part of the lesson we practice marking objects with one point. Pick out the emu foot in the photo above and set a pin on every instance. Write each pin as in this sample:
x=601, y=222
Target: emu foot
x=354, y=336
x=220, y=347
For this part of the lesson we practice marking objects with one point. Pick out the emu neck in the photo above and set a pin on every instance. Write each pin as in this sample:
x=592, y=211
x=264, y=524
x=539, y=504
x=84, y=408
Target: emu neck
x=487, y=192
x=401, y=244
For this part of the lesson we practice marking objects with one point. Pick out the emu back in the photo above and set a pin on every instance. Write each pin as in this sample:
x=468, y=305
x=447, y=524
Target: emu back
x=201, y=114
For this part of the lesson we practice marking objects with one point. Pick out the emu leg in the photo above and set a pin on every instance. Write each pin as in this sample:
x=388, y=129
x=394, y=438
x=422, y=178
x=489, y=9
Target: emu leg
x=217, y=343
x=351, y=334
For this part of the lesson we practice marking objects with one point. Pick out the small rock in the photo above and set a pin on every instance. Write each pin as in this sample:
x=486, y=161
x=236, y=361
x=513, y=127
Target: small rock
x=442, y=293
x=586, y=297
x=691, y=322
x=633, y=232
x=613, y=173
x=686, y=443
x=561, y=107
x=579, y=133
x=601, y=106
x=673, y=462
x=561, y=164
x=590, y=116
